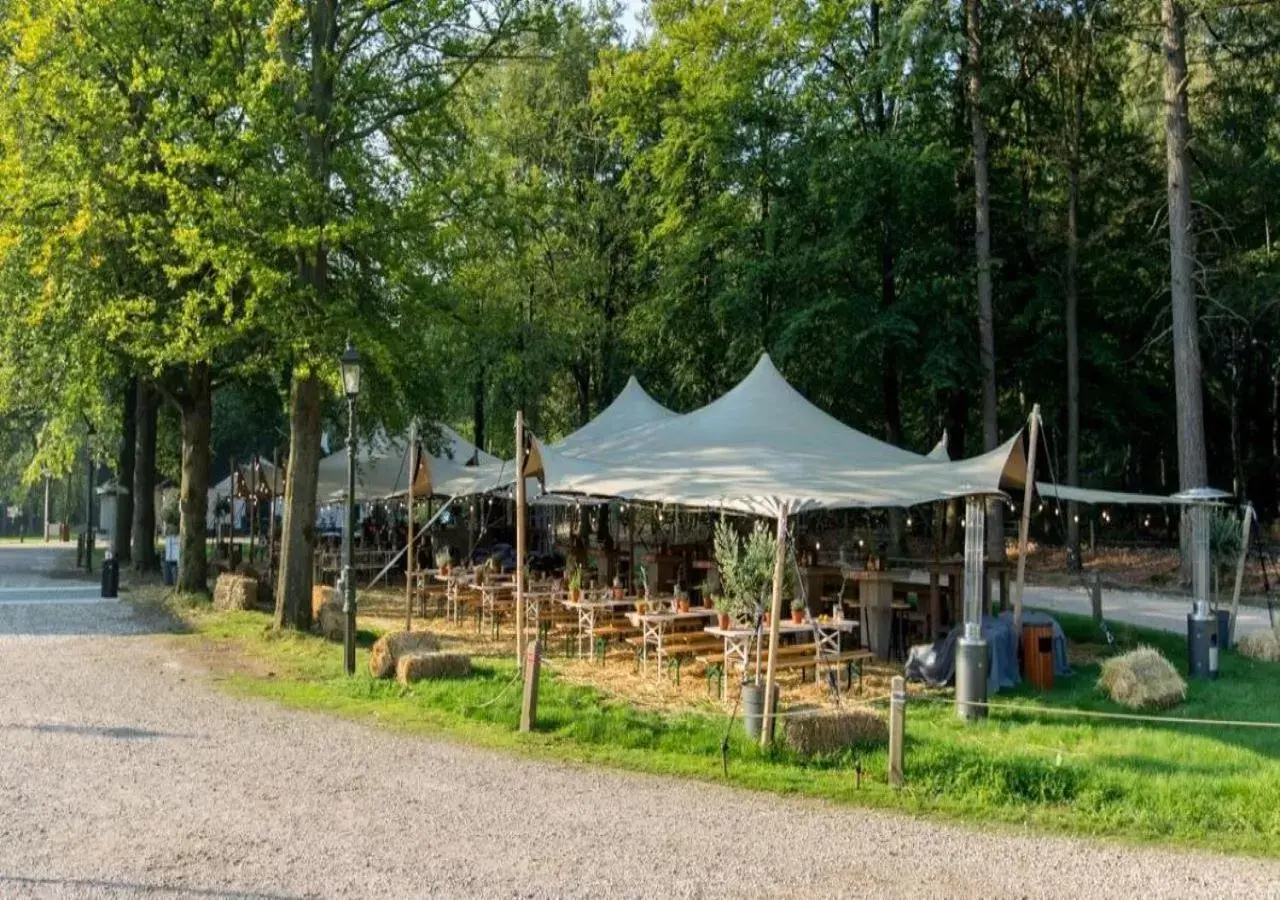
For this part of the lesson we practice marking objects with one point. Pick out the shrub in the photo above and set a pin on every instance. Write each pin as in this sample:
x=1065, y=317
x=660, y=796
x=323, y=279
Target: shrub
x=1142, y=679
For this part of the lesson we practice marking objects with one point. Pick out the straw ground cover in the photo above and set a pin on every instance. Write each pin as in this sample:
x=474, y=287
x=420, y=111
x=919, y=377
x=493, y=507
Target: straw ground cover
x=1188, y=785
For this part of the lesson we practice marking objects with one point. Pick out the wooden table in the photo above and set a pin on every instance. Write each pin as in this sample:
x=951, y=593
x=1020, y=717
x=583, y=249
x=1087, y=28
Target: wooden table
x=537, y=596
x=654, y=626
x=587, y=611
x=738, y=639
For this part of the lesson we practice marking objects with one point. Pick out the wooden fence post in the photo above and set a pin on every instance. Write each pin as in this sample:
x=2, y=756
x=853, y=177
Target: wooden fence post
x=529, y=707
x=897, y=728
x=1096, y=597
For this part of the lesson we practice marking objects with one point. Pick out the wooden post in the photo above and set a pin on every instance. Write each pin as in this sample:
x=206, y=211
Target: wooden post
x=1095, y=596
x=897, y=727
x=408, y=546
x=521, y=537
x=1093, y=545
x=1024, y=529
x=529, y=706
x=775, y=614
x=1244, y=556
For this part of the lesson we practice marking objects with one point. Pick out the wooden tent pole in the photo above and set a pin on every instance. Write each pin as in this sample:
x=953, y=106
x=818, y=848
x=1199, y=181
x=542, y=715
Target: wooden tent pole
x=779, y=560
x=521, y=516
x=1025, y=528
x=1235, y=594
x=408, y=543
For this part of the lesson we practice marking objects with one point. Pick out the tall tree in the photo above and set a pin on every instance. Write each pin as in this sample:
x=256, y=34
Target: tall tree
x=125, y=471
x=144, y=480
x=1192, y=466
x=982, y=247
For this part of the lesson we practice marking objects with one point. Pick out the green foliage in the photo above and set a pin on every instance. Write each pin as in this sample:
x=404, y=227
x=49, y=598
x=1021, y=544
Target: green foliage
x=746, y=568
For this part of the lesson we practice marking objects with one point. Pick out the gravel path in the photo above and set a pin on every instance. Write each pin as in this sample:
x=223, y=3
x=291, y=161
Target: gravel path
x=123, y=772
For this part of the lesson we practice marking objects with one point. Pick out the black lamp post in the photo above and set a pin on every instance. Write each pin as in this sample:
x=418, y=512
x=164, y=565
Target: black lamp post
x=351, y=385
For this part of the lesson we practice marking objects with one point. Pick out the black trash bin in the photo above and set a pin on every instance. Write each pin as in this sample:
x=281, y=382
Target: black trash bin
x=110, y=577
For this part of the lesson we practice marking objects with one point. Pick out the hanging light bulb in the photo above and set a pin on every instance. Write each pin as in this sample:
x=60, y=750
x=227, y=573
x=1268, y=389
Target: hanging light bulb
x=908, y=521
x=1077, y=519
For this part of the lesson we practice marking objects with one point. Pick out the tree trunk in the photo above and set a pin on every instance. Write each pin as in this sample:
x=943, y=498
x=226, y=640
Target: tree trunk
x=477, y=411
x=1192, y=469
x=982, y=245
x=1072, y=316
x=889, y=379
x=124, y=472
x=298, y=530
x=145, y=558
x=197, y=417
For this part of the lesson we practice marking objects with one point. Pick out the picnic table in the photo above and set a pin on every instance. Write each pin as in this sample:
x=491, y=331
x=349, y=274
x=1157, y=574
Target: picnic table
x=655, y=628
x=588, y=612
x=538, y=595
x=738, y=639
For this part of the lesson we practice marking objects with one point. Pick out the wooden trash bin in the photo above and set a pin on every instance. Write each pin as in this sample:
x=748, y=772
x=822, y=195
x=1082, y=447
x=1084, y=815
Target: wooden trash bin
x=1037, y=655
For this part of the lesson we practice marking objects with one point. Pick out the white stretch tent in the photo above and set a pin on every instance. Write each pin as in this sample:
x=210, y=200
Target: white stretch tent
x=764, y=449
x=633, y=408
x=382, y=466
x=1115, y=498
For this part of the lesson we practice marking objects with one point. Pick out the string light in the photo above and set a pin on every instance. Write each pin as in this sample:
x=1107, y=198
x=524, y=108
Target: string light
x=908, y=521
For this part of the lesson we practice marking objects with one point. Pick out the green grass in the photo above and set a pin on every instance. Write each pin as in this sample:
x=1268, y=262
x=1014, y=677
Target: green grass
x=1215, y=788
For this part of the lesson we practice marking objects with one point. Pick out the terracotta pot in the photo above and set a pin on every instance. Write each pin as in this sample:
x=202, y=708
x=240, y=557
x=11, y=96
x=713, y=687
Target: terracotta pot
x=574, y=594
x=797, y=616
x=641, y=607
x=724, y=621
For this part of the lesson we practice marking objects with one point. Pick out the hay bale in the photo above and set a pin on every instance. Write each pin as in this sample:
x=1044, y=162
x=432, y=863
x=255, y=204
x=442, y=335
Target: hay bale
x=395, y=644
x=419, y=666
x=235, y=592
x=1261, y=645
x=331, y=622
x=828, y=732
x=1142, y=679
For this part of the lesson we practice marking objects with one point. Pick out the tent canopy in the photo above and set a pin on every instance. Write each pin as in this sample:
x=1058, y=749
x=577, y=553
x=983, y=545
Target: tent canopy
x=633, y=408
x=1113, y=498
x=382, y=466
x=764, y=449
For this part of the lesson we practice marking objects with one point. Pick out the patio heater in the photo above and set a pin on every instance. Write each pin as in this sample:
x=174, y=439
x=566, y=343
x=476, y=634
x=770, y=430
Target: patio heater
x=350, y=362
x=971, y=650
x=1203, y=639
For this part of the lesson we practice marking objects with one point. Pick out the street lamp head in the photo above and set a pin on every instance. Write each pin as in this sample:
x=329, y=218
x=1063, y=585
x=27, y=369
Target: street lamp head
x=351, y=371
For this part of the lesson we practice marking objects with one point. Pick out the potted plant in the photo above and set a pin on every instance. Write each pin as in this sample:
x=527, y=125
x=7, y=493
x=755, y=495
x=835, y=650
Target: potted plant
x=724, y=606
x=617, y=588
x=797, y=611
x=443, y=561
x=575, y=585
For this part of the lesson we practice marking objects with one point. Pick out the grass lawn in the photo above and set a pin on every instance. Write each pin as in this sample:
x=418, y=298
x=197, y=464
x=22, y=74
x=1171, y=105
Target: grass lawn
x=1210, y=787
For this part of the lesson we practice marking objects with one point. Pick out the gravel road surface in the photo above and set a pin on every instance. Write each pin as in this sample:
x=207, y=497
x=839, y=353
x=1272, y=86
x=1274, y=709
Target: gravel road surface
x=124, y=772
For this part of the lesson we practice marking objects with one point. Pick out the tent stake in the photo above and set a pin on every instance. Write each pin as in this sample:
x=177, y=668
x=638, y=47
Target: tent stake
x=1024, y=530
x=779, y=560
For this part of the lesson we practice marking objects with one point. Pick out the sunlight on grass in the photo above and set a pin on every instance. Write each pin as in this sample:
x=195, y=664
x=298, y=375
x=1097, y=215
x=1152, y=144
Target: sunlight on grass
x=1192, y=785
